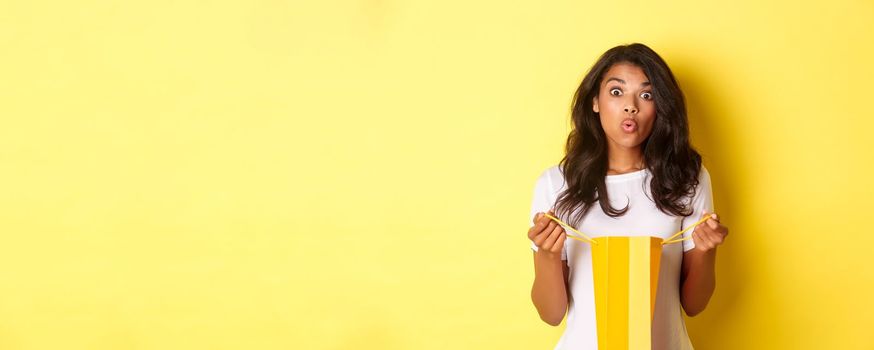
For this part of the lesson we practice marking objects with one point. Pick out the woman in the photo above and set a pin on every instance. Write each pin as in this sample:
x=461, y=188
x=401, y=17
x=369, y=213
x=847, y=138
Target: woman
x=629, y=170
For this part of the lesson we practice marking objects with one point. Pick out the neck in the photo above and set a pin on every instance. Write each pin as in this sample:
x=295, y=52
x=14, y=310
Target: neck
x=625, y=160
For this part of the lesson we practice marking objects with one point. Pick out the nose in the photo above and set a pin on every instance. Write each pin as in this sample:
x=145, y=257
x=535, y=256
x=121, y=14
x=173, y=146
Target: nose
x=631, y=109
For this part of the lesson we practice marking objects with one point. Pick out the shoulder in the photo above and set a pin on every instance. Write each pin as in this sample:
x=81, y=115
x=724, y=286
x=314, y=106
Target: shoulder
x=549, y=181
x=551, y=175
x=704, y=175
x=704, y=186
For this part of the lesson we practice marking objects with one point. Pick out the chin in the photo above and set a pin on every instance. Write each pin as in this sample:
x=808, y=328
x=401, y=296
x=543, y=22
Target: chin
x=631, y=143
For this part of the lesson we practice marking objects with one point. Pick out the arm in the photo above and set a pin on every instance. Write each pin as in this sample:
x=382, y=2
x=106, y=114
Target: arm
x=698, y=279
x=549, y=292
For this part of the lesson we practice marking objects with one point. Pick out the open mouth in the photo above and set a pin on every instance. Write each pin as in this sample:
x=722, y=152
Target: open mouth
x=629, y=125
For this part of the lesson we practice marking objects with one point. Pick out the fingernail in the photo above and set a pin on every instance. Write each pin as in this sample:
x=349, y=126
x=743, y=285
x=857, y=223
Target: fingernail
x=714, y=216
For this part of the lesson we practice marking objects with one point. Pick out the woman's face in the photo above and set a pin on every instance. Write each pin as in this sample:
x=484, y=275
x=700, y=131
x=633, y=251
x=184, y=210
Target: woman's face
x=625, y=105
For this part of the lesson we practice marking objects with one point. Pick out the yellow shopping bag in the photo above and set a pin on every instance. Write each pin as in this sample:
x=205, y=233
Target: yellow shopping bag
x=625, y=272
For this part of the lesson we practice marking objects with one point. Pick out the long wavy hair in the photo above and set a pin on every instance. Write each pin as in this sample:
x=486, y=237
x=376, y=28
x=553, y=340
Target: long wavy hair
x=667, y=152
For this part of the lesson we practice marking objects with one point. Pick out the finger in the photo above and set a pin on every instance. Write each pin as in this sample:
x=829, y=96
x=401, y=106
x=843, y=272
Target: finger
x=540, y=221
x=532, y=232
x=539, y=239
x=697, y=240
x=714, y=232
x=700, y=234
x=539, y=234
x=702, y=240
x=721, y=229
x=547, y=219
x=553, y=237
x=717, y=239
x=549, y=227
x=536, y=226
x=551, y=213
x=709, y=235
x=704, y=227
x=541, y=224
x=718, y=235
x=703, y=243
x=713, y=224
x=559, y=244
x=550, y=239
x=543, y=234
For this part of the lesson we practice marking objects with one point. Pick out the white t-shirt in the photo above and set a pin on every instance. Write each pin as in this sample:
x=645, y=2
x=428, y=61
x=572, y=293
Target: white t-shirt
x=643, y=218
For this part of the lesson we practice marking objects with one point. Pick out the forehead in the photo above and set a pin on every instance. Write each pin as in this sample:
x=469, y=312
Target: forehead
x=628, y=72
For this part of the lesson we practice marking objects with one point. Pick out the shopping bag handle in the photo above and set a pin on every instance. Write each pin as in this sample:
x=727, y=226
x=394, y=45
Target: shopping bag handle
x=672, y=240
x=584, y=238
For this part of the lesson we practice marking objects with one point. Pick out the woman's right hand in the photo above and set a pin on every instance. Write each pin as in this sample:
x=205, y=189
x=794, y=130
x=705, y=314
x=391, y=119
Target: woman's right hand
x=548, y=235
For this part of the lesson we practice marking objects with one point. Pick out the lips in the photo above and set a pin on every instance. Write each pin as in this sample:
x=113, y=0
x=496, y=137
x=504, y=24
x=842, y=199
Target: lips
x=629, y=125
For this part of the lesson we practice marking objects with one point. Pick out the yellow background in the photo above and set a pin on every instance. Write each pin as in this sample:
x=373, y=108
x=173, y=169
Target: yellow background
x=358, y=174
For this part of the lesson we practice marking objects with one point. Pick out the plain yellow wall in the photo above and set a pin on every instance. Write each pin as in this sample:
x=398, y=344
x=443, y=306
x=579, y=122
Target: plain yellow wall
x=358, y=174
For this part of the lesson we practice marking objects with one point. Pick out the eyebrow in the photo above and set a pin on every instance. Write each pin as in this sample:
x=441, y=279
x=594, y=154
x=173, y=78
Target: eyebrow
x=646, y=83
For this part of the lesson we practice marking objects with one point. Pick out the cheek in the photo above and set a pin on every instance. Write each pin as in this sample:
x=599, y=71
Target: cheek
x=648, y=117
x=612, y=108
x=648, y=110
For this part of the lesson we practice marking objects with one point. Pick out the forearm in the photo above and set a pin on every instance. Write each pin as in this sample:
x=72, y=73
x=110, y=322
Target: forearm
x=699, y=282
x=549, y=292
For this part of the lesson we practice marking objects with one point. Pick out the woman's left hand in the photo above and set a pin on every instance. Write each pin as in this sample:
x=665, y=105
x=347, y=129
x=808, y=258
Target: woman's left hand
x=709, y=234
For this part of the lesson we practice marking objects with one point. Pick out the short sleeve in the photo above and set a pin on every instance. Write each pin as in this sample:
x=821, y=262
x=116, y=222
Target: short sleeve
x=702, y=201
x=542, y=201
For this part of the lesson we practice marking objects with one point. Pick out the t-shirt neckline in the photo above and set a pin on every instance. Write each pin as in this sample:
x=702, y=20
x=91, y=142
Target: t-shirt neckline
x=627, y=176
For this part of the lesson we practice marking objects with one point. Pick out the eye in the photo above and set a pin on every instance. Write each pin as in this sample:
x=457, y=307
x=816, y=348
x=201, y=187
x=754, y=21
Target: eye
x=615, y=92
x=646, y=96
